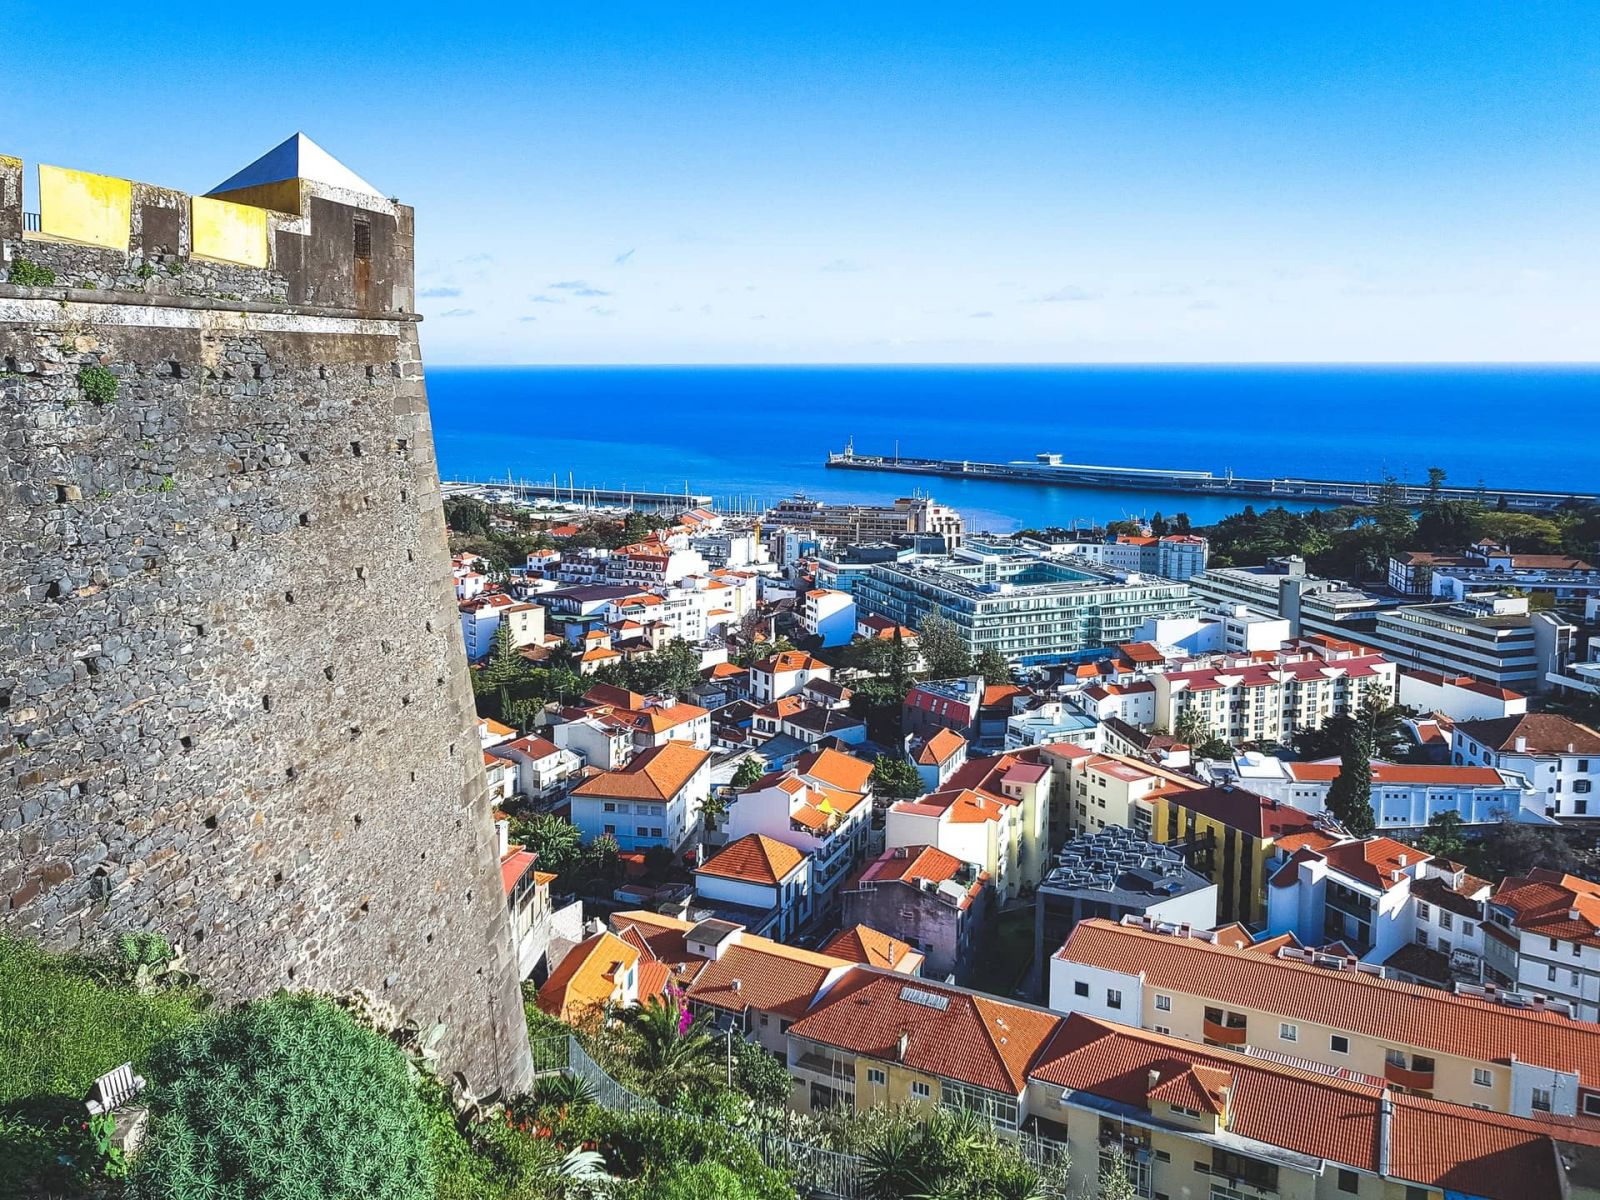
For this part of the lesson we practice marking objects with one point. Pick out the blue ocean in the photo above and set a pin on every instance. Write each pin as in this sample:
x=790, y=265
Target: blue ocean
x=750, y=435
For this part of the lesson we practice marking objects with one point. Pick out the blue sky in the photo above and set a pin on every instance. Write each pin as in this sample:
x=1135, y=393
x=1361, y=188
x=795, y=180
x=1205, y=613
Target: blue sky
x=897, y=182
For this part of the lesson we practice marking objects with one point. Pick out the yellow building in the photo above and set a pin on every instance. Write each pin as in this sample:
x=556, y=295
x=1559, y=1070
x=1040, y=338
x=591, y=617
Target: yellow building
x=1277, y=999
x=879, y=1038
x=1199, y=1123
x=1232, y=833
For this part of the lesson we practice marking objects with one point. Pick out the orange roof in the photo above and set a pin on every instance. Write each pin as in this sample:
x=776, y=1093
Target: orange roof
x=836, y=768
x=587, y=977
x=863, y=944
x=949, y=1032
x=1387, y=1010
x=657, y=718
x=789, y=660
x=916, y=863
x=961, y=805
x=940, y=747
x=1375, y=861
x=755, y=858
x=724, y=670
x=659, y=773
x=1197, y=1086
x=1550, y=904
x=1546, y=733
x=490, y=725
x=997, y=693
x=514, y=864
x=1399, y=773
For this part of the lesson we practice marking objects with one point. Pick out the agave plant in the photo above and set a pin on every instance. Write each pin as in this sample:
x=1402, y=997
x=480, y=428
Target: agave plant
x=562, y=1092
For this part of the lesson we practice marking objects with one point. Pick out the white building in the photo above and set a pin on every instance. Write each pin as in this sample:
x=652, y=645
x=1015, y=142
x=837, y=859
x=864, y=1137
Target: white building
x=603, y=745
x=1248, y=699
x=655, y=800
x=829, y=615
x=1133, y=702
x=763, y=883
x=1559, y=757
x=541, y=766
x=1491, y=638
x=1544, y=939
x=785, y=674
x=1459, y=697
x=1356, y=892
x=800, y=807
x=1227, y=629
x=1404, y=795
x=481, y=617
x=939, y=757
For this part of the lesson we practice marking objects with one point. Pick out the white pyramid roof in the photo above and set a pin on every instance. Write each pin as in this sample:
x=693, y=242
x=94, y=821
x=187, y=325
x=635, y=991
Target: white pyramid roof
x=298, y=157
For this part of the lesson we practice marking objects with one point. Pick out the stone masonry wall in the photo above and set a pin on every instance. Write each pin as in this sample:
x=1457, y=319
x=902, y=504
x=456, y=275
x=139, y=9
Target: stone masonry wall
x=233, y=699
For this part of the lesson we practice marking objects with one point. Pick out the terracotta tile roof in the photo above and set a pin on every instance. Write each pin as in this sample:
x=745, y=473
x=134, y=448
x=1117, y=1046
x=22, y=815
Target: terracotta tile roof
x=658, y=718
x=1461, y=1152
x=1374, y=861
x=1550, y=904
x=1403, y=773
x=960, y=805
x=836, y=769
x=724, y=670
x=1256, y=815
x=1272, y=672
x=1458, y=899
x=950, y=1033
x=587, y=977
x=789, y=660
x=1000, y=693
x=1547, y=733
x=604, y=693
x=532, y=746
x=940, y=747
x=1197, y=1086
x=1398, y=1013
x=915, y=865
x=659, y=773
x=863, y=944
x=1305, y=839
x=1280, y=1105
x=783, y=708
x=490, y=725
x=755, y=858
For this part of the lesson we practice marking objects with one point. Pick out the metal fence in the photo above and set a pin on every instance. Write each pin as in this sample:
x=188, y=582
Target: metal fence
x=30, y=222
x=835, y=1174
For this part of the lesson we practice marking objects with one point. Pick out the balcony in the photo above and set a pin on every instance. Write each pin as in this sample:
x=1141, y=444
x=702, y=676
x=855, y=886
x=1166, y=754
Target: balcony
x=1412, y=1081
x=1226, y=1035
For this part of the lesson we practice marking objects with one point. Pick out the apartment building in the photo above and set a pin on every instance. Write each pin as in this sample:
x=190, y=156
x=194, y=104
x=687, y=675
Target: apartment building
x=929, y=899
x=1034, y=610
x=1227, y=629
x=1543, y=937
x=878, y=1039
x=829, y=615
x=1229, y=835
x=1419, y=917
x=655, y=800
x=980, y=712
x=1171, y=556
x=541, y=767
x=481, y=617
x=1469, y=1047
x=1194, y=1121
x=993, y=811
x=1558, y=757
x=938, y=757
x=1405, y=796
x=803, y=807
x=1099, y=791
x=1492, y=638
x=868, y=522
x=1565, y=577
x=1281, y=588
x=1268, y=699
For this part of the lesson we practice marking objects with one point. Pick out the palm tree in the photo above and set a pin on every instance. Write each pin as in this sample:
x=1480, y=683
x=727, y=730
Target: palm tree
x=672, y=1050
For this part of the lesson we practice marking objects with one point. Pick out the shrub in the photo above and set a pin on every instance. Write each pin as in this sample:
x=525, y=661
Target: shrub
x=283, y=1099
x=99, y=385
x=29, y=274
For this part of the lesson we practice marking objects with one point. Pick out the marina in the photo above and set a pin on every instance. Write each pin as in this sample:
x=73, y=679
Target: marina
x=1049, y=469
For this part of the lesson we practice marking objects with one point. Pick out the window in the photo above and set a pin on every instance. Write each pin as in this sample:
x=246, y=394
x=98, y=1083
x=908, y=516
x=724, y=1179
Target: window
x=1581, y=786
x=1288, y=1032
x=1163, y=1029
x=1591, y=1104
x=1541, y=1099
x=1349, y=1181
x=1080, y=988
x=1482, y=1077
x=1113, y=998
x=1192, y=1113
x=1163, y=1003
x=1423, y=910
x=874, y=1075
x=1550, y=972
x=1339, y=1044
x=363, y=240
x=1446, y=921
x=921, y=1091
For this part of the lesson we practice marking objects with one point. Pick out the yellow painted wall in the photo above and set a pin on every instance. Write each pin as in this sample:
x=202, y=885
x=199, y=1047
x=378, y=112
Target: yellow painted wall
x=228, y=232
x=77, y=206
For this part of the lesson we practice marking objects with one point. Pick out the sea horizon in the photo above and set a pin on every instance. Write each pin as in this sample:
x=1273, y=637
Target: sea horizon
x=676, y=427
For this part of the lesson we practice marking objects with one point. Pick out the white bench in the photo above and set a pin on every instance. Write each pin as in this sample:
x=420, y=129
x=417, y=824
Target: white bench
x=114, y=1089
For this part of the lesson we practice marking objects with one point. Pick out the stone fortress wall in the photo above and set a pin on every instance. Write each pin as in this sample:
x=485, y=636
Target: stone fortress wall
x=234, y=705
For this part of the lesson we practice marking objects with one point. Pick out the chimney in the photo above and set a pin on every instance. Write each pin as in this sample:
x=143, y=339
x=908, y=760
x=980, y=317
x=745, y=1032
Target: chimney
x=502, y=833
x=735, y=985
x=1151, y=1079
x=1521, y=744
x=1402, y=860
x=903, y=1045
